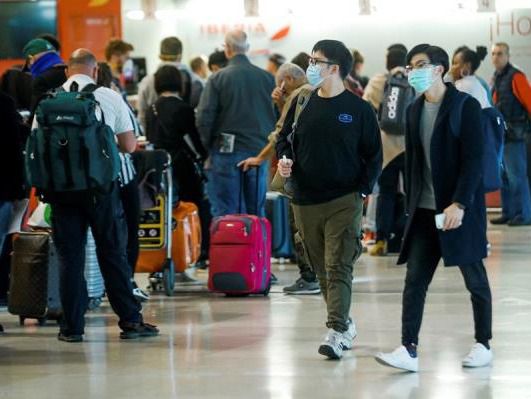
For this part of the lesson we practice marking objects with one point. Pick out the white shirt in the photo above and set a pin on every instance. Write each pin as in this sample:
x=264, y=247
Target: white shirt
x=114, y=108
x=471, y=85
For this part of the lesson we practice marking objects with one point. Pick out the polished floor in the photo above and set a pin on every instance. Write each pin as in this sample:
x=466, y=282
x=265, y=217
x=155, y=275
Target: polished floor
x=214, y=347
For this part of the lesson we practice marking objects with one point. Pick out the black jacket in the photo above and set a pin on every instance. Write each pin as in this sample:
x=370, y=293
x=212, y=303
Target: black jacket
x=456, y=161
x=48, y=80
x=11, y=158
x=237, y=100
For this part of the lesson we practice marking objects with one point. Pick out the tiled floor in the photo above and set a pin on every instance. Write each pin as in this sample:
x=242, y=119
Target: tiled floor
x=214, y=347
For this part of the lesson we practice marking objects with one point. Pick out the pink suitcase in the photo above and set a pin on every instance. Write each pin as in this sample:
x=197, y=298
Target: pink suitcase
x=240, y=255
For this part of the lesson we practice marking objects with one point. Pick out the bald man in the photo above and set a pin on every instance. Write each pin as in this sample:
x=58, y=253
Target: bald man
x=234, y=118
x=104, y=214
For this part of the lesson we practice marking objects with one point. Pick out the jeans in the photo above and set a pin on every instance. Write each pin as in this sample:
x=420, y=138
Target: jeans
x=331, y=233
x=130, y=196
x=231, y=191
x=6, y=212
x=424, y=256
x=387, y=199
x=516, y=199
x=105, y=216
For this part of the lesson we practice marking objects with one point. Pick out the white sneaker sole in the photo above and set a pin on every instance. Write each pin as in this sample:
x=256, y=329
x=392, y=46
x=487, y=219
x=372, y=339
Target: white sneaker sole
x=306, y=292
x=384, y=362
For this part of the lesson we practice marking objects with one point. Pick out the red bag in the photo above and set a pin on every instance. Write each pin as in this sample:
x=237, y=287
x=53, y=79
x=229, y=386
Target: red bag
x=240, y=255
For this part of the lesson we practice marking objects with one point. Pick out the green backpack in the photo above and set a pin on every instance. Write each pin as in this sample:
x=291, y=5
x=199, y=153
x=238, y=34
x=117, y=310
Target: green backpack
x=71, y=154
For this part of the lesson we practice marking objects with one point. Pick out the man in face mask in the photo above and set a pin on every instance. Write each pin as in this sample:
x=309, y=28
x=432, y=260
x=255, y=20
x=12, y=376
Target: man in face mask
x=334, y=156
x=446, y=204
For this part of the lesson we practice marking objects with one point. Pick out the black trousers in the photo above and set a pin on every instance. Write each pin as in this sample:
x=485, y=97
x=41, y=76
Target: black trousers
x=130, y=196
x=105, y=216
x=424, y=256
x=387, y=206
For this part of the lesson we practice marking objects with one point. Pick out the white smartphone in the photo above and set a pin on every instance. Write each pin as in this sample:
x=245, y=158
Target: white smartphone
x=439, y=220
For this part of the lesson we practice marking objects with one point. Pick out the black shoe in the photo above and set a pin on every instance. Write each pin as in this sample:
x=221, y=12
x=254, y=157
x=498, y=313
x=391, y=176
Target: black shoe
x=70, y=338
x=137, y=330
x=1, y=329
x=500, y=220
x=274, y=279
x=518, y=221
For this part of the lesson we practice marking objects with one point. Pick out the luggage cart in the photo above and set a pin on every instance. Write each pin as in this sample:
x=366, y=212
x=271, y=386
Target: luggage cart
x=155, y=230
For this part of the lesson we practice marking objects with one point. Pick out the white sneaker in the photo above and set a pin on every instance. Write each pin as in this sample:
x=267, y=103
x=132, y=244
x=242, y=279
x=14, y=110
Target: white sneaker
x=479, y=356
x=349, y=335
x=332, y=346
x=141, y=296
x=400, y=359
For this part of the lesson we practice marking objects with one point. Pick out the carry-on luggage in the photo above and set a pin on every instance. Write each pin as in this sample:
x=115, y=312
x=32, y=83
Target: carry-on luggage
x=34, y=285
x=185, y=236
x=277, y=212
x=240, y=254
x=93, y=277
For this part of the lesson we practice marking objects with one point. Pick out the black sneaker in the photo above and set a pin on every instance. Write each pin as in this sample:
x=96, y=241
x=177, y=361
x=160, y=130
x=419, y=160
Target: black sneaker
x=500, y=220
x=137, y=330
x=70, y=337
x=518, y=221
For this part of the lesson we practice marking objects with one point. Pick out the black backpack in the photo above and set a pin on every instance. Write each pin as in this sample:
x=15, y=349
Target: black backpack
x=398, y=95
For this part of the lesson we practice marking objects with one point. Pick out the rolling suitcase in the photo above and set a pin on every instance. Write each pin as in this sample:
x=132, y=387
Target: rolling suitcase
x=34, y=285
x=240, y=253
x=93, y=277
x=277, y=212
x=185, y=235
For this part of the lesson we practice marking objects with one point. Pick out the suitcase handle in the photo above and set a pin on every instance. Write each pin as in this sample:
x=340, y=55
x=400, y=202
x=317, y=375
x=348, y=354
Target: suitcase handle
x=242, y=183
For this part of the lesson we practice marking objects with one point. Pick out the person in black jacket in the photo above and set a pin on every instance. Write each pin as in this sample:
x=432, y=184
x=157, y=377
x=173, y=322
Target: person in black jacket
x=335, y=157
x=443, y=181
x=46, y=67
x=11, y=170
x=171, y=127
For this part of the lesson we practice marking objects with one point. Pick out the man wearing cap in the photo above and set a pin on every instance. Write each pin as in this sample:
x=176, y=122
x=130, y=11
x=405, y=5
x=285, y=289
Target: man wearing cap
x=46, y=67
x=171, y=50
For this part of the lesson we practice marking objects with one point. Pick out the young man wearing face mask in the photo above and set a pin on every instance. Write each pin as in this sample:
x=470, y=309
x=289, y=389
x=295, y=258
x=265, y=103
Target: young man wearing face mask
x=334, y=156
x=443, y=181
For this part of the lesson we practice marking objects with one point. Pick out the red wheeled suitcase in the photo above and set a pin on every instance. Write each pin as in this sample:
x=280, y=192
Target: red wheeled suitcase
x=240, y=255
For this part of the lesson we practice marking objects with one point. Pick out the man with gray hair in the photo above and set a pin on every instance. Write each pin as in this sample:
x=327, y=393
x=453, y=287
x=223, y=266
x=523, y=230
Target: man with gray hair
x=291, y=81
x=234, y=117
x=101, y=210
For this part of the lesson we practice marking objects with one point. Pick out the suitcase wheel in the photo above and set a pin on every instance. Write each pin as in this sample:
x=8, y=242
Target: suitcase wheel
x=168, y=277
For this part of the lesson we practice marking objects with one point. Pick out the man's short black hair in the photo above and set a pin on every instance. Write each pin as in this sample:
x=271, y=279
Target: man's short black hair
x=302, y=59
x=335, y=51
x=397, y=46
x=436, y=55
x=395, y=58
x=218, y=58
x=277, y=59
x=168, y=78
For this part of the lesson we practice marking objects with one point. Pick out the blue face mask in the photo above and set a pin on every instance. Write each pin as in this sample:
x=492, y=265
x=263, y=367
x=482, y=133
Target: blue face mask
x=421, y=79
x=313, y=74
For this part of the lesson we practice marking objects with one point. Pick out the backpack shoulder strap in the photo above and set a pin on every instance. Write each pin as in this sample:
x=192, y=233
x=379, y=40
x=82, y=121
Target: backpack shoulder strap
x=302, y=101
x=457, y=112
x=90, y=88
